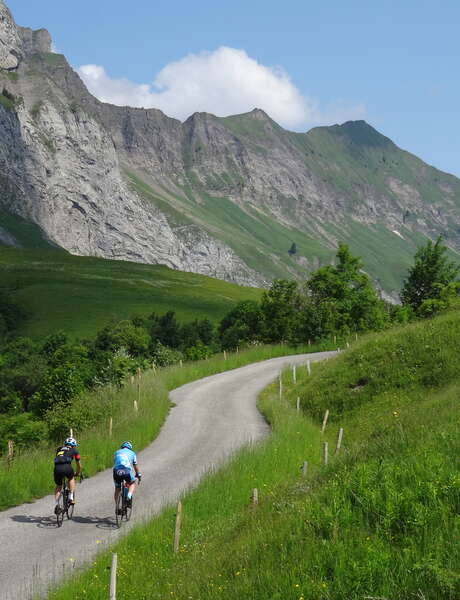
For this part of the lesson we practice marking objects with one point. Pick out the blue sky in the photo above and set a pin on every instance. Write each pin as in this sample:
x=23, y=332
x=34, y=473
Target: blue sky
x=395, y=64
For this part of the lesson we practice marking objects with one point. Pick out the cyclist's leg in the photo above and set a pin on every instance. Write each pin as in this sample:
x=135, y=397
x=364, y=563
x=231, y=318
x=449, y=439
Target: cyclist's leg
x=58, y=477
x=72, y=484
x=131, y=483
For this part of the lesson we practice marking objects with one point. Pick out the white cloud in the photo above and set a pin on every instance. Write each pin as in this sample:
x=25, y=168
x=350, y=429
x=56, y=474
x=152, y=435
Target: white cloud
x=223, y=82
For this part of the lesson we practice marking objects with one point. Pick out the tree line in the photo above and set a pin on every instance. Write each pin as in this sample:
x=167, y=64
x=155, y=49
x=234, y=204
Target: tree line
x=40, y=380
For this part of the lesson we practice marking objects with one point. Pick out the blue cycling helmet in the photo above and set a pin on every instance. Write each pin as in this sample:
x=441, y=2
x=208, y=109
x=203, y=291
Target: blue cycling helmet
x=70, y=441
x=127, y=445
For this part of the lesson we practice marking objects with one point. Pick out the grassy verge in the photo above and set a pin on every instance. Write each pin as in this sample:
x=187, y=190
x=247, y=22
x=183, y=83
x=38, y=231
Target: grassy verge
x=30, y=474
x=380, y=521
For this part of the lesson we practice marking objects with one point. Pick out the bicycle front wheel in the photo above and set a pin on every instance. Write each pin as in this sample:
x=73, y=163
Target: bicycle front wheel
x=128, y=509
x=70, y=509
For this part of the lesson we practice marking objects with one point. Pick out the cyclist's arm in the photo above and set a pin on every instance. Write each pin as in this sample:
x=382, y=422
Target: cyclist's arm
x=78, y=463
x=136, y=468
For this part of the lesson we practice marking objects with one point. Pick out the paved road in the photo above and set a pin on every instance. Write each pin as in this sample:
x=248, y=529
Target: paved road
x=211, y=418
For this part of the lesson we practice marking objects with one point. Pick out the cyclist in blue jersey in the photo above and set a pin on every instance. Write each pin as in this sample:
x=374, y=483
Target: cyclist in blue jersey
x=125, y=469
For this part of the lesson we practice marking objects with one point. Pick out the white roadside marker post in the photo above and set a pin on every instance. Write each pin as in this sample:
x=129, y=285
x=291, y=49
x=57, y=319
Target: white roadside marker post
x=326, y=416
x=113, y=578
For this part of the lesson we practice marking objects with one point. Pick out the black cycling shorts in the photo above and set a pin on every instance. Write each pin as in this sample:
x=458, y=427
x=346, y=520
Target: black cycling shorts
x=120, y=475
x=61, y=471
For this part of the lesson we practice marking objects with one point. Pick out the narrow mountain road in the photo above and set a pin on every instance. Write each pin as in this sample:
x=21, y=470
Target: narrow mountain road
x=211, y=418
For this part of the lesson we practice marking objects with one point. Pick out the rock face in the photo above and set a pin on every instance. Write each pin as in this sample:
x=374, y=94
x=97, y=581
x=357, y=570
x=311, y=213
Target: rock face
x=59, y=168
x=224, y=197
x=10, y=41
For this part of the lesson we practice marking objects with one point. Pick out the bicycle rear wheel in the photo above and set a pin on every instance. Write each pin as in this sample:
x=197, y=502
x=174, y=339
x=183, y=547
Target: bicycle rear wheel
x=60, y=510
x=119, y=509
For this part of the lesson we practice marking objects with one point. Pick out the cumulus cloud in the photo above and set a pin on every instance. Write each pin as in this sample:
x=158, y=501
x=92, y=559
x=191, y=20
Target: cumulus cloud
x=223, y=82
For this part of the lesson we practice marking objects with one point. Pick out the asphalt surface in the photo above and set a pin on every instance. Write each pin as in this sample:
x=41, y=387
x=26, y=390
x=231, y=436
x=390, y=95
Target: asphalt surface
x=211, y=418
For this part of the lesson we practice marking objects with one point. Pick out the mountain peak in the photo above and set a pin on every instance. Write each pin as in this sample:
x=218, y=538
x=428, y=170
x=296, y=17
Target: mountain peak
x=258, y=113
x=357, y=132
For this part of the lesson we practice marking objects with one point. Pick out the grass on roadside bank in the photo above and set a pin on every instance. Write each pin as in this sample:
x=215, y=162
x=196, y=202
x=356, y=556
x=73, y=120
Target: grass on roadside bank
x=382, y=520
x=30, y=475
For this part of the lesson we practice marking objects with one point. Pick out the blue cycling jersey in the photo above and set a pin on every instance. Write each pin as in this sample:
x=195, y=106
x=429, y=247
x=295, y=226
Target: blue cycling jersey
x=124, y=459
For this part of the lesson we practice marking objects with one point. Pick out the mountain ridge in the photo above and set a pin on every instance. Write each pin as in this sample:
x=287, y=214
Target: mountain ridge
x=221, y=196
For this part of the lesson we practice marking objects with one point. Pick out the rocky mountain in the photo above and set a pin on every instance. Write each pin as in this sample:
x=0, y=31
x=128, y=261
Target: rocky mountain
x=227, y=197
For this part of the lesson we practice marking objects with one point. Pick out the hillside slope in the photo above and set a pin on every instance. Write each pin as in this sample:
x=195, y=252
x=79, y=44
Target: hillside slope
x=81, y=295
x=380, y=521
x=225, y=197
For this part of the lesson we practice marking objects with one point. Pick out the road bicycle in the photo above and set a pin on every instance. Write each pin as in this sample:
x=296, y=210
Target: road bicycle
x=64, y=506
x=123, y=506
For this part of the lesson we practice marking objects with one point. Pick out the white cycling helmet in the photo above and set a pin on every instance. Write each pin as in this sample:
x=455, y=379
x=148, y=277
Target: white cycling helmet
x=70, y=441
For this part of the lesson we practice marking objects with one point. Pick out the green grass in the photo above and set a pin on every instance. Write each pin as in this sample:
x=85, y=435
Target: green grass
x=81, y=295
x=382, y=520
x=29, y=477
x=26, y=233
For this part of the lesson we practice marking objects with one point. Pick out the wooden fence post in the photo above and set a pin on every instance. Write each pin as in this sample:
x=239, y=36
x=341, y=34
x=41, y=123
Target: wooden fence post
x=335, y=339
x=348, y=344
x=294, y=374
x=113, y=578
x=255, y=497
x=110, y=426
x=356, y=336
x=225, y=355
x=180, y=362
x=132, y=379
x=178, y=526
x=339, y=441
x=325, y=452
x=298, y=404
x=309, y=367
x=136, y=407
x=10, y=454
x=326, y=416
x=304, y=468
x=309, y=342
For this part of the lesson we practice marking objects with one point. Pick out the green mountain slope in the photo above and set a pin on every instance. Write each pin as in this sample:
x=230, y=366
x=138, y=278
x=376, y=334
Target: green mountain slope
x=347, y=183
x=81, y=295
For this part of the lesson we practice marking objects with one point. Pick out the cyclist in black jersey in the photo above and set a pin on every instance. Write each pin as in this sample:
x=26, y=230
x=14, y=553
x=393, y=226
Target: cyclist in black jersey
x=65, y=454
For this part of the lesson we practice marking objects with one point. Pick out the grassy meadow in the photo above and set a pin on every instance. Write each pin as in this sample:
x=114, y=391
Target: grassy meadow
x=82, y=294
x=31, y=473
x=380, y=521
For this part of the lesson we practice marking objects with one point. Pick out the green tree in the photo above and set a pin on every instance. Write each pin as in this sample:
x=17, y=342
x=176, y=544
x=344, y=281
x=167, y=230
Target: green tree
x=293, y=249
x=341, y=298
x=279, y=305
x=430, y=274
x=241, y=325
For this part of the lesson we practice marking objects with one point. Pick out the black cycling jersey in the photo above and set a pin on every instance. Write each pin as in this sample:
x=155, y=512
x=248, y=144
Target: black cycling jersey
x=65, y=455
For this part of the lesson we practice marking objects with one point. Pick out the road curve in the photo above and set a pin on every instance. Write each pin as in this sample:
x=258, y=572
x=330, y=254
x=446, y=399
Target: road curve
x=211, y=418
